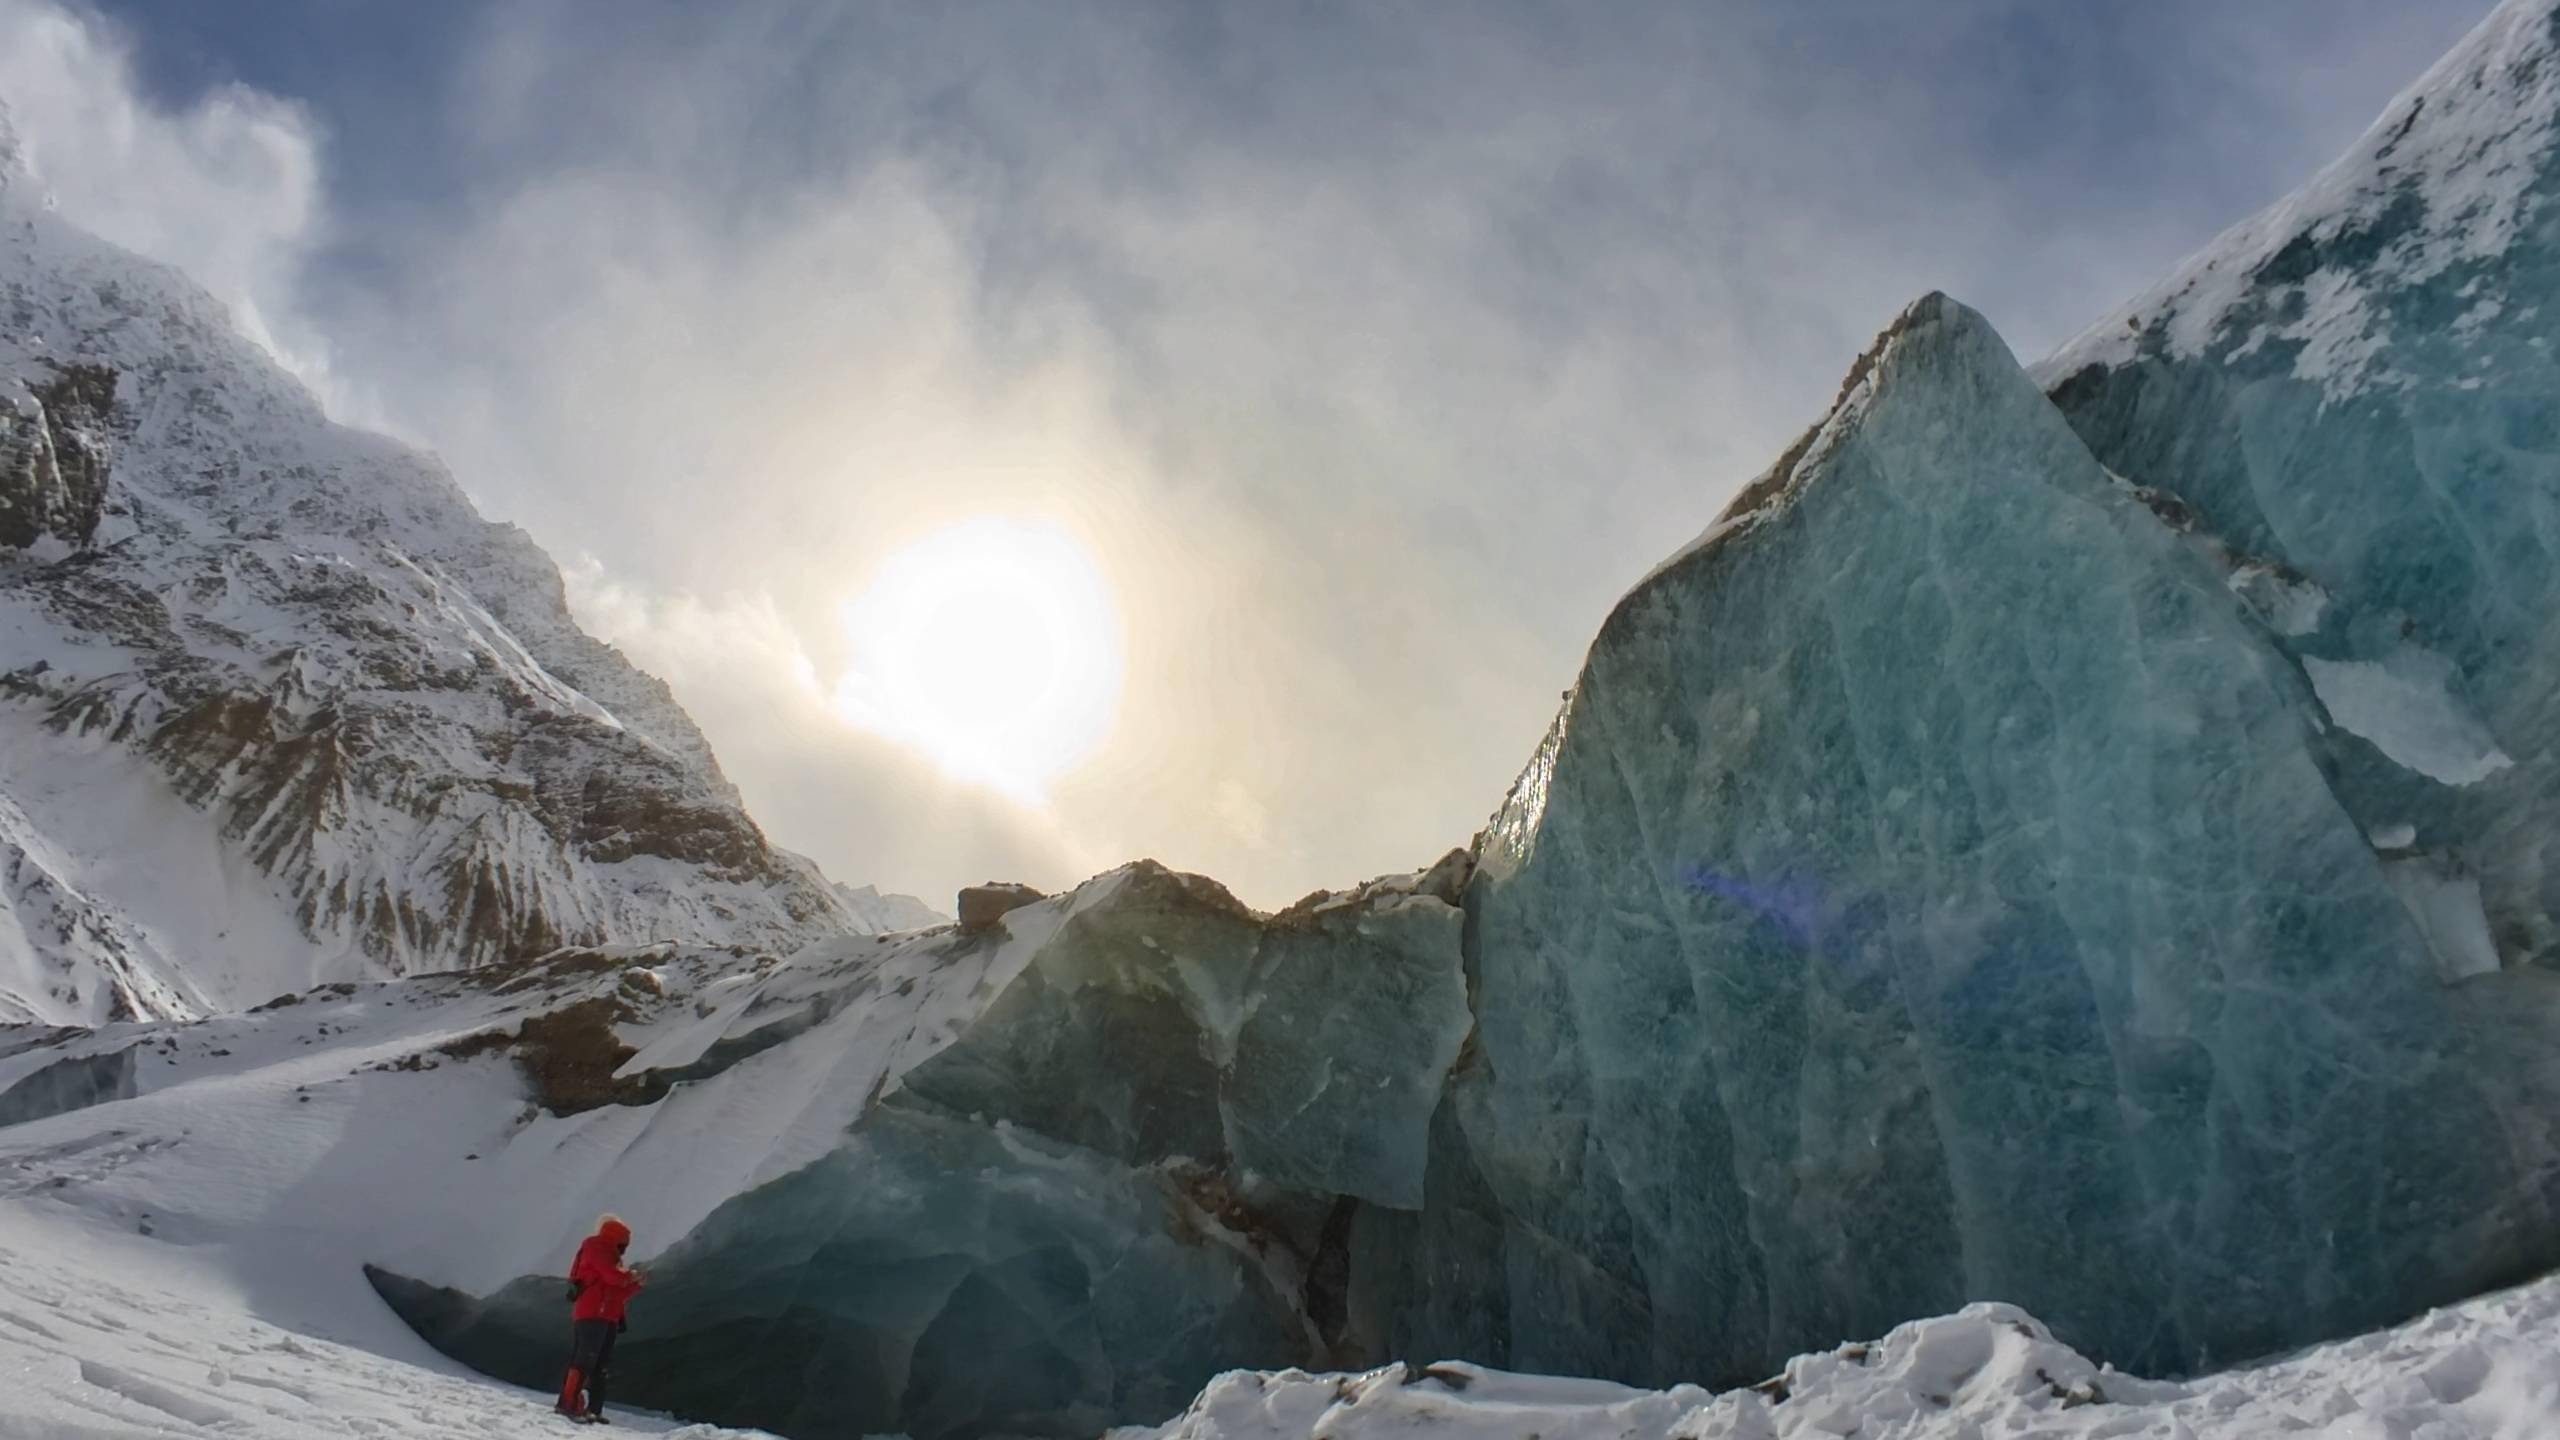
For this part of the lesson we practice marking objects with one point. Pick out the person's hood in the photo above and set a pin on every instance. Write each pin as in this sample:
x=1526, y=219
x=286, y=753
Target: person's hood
x=614, y=1233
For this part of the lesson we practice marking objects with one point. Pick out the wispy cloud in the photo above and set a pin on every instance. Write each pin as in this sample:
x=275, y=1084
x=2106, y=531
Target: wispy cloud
x=1368, y=350
x=226, y=187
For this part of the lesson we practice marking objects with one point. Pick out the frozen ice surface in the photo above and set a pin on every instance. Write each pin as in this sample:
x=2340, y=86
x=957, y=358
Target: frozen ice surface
x=2074, y=841
x=180, y=1262
x=1937, y=889
x=2402, y=706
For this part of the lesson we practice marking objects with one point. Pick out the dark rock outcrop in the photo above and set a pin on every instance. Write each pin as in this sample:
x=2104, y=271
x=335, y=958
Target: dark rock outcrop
x=981, y=906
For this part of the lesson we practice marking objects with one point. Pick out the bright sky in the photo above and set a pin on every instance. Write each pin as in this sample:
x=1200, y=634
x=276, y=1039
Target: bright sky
x=1033, y=435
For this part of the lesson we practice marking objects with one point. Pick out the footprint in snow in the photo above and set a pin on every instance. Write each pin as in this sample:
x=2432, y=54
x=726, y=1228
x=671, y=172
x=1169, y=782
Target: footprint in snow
x=153, y=1395
x=263, y=1382
x=23, y=1323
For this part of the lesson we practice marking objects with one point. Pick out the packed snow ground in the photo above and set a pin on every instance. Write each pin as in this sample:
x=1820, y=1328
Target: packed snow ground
x=110, y=1334
x=106, y=1335
x=186, y=1262
x=2485, y=1370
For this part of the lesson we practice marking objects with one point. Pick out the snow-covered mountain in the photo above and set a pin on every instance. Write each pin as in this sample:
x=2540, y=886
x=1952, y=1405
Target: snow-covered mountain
x=278, y=707
x=876, y=913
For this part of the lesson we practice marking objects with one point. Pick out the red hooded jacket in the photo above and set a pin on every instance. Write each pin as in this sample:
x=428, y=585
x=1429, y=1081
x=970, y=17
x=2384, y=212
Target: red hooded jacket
x=604, y=1282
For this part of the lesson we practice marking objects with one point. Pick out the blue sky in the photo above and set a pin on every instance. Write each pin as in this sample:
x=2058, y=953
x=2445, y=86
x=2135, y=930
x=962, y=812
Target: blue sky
x=1373, y=348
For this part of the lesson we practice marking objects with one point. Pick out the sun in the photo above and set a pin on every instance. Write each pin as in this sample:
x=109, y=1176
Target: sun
x=992, y=646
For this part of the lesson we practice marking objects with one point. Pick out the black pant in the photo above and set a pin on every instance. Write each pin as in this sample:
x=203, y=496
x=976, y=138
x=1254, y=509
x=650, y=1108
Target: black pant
x=590, y=1351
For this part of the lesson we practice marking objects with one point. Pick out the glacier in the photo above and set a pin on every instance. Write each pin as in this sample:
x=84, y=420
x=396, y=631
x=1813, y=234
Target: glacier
x=2069, y=836
x=73, y=1279
x=1962, y=855
x=351, y=723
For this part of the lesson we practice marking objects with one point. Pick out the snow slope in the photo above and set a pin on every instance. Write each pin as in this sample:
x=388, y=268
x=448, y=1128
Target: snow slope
x=222, y=1185
x=469, y=1126
x=232, y=1177
x=2450, y=179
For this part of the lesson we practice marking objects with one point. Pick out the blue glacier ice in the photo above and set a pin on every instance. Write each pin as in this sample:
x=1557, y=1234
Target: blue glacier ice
x=2359, y=386
x=1136, y=1167
x=1932, y=891
x=2080, y=837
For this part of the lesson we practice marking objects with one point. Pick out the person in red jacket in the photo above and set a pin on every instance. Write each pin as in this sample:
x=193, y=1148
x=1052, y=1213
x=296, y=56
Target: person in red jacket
x=601, y=1285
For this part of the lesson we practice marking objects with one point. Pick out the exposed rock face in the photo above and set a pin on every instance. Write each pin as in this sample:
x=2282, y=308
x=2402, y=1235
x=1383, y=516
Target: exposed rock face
x=53, y=462
x=306, y=633
x=981, y=906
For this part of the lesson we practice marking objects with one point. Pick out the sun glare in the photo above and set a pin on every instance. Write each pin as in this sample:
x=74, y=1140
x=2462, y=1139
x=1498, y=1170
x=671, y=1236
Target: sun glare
x=994, y=647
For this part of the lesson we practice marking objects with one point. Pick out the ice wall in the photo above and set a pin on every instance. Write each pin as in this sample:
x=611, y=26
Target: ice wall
x=1933, y=893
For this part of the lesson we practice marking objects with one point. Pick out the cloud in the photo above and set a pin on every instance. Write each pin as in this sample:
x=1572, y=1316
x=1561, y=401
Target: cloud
x=738, y=664
x=226, y=188
x=1370, y=354
x=775, y=411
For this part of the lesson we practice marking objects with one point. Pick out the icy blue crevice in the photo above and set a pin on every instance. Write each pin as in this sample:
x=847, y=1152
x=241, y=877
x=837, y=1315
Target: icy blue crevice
x=74, y=1082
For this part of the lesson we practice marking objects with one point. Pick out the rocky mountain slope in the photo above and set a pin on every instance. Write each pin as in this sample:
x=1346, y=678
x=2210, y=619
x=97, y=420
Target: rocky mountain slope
x=345, y=726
